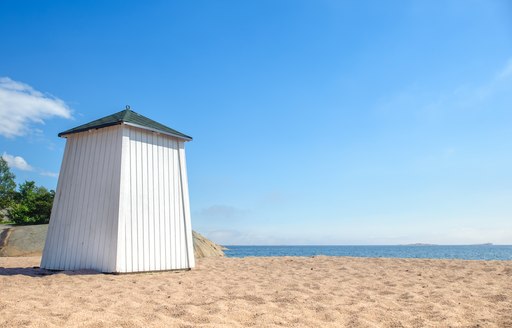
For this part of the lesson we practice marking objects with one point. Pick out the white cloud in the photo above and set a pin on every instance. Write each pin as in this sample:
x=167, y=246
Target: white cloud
x=49, y=174
x=17, y=162
x=21, y=105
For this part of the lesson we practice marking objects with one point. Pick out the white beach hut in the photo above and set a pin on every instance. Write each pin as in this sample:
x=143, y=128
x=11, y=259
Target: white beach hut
x=121, y=203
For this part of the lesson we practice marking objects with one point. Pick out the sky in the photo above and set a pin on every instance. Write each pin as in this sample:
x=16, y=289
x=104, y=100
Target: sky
x=314, y=122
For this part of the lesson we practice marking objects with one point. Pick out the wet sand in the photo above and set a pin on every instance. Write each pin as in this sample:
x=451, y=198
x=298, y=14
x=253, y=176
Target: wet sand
x=264, y=292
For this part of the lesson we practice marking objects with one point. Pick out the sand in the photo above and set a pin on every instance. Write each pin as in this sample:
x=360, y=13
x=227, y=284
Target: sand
x=264, y=292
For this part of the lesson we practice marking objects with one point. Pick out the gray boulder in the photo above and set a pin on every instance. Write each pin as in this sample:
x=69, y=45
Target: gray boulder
x=29, y=241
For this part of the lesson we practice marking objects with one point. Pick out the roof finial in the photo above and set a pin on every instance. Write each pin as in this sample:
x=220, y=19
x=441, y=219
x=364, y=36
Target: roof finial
x=127, y=107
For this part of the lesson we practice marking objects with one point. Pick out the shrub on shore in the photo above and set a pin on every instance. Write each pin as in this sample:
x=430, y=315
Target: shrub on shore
x=30, y=204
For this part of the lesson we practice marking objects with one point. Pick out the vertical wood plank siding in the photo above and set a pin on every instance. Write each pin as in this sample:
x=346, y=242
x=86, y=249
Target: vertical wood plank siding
x=83, y=225
x=121, y=204
x=154, y=213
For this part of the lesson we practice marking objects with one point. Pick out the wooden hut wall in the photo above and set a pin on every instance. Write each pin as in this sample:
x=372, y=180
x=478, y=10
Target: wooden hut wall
x=154, y=218
x=83, y=228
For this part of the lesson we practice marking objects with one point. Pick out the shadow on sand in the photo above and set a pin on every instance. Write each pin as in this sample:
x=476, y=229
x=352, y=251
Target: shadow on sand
x=37, y=272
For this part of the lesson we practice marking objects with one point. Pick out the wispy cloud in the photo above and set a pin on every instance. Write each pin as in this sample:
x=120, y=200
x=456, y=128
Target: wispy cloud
x=21, y=105
x=49, y=174
x=236, y=237
x=222, y=212
x=273, y=198
x=17, y=162
x=506, y=72
x=417, y=101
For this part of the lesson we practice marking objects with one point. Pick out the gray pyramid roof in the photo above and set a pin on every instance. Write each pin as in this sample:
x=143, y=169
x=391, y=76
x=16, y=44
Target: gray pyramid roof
x=127, y=117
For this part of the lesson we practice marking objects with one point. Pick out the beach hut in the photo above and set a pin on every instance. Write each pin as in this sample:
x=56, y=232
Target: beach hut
x=121, y=203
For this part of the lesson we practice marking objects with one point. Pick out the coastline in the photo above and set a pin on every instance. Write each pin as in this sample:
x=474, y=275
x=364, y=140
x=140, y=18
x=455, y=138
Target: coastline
x=265, y=291
x=466, y=252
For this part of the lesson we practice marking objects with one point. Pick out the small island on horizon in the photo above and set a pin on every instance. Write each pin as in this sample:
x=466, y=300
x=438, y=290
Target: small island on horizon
x=427, y=244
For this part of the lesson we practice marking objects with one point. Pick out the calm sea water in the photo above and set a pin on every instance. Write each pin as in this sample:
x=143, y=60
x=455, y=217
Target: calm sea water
x=479, y=252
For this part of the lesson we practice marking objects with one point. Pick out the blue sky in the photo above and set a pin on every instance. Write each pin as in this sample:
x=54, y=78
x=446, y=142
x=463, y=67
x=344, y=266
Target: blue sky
x=314, y=122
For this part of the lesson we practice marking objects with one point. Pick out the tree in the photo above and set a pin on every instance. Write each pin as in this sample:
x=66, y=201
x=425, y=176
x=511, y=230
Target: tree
x=29, y=205
x=7, y=185
x=32, y=205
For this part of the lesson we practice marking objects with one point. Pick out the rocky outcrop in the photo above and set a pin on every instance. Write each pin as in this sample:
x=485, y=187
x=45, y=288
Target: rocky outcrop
x=22, y=240
x=206, y=248
x=29, y=241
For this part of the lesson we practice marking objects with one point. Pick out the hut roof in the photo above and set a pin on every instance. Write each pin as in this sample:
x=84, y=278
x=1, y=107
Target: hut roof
x=127, y=117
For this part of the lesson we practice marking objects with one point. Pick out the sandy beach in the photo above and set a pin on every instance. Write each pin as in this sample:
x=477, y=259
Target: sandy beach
x=264, y=292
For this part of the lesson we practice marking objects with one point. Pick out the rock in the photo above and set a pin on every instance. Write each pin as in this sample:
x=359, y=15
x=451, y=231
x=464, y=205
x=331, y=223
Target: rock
x=29, y=241
x=22, y=240
x=205, y=248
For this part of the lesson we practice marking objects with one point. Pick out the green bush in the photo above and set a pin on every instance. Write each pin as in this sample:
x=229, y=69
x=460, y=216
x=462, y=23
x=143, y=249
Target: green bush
x=19, y=213
x=29, y=205
x=32, y=205
x=7, y=185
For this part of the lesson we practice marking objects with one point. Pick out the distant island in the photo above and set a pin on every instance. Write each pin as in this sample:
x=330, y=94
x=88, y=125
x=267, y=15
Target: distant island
x=426, y=244
x=420, y=244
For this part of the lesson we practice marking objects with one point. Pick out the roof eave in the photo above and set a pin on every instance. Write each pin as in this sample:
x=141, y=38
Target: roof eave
x=65, y=133
x=184, y=137
x=85, y=129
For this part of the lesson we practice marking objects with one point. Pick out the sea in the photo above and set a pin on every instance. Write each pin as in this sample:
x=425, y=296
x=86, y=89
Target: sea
x=470, y=252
